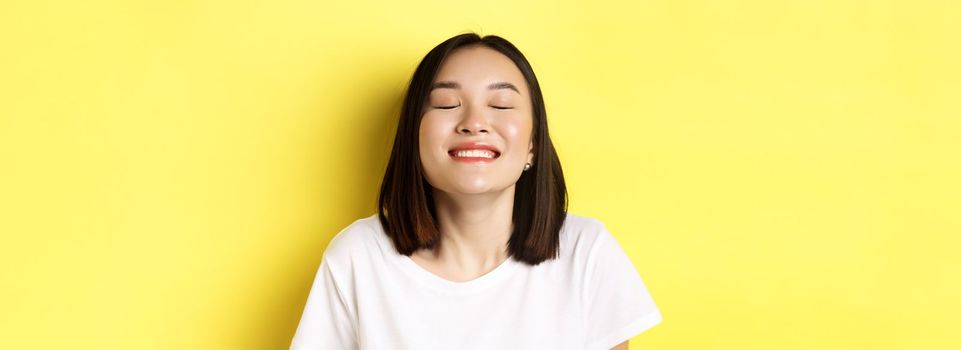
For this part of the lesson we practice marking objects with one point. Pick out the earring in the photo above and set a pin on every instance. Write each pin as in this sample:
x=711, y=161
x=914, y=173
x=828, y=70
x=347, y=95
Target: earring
x=527, y=166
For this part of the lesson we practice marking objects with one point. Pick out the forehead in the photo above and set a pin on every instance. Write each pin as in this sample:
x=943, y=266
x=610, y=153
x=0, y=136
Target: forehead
x=477, y=66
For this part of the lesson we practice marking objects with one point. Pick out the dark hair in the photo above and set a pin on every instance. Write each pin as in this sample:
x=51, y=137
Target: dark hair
x=405, y=205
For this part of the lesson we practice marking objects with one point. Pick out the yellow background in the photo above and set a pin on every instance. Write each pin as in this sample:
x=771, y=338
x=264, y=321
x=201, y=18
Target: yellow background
x=784, y=174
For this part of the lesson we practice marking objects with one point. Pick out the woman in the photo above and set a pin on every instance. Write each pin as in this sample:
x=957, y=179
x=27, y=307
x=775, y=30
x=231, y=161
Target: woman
x=472, y=246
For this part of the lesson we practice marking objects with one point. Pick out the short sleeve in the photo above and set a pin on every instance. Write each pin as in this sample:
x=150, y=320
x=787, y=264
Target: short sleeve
x=326, y=322
x=618, y=304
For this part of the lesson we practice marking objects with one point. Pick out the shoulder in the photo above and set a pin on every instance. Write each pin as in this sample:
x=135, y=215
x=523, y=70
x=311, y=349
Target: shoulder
x=577, y=225
x=359, y=238
x=581, y=235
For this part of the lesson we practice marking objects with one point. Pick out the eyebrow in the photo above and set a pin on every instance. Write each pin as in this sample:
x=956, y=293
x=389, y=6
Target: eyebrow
x=455, y=85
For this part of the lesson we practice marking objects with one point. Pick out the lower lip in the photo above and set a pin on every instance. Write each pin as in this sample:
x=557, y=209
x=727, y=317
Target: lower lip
x=473, y=159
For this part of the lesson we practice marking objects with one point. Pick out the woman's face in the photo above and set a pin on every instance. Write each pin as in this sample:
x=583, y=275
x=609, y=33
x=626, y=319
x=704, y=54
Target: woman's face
x=474, y=100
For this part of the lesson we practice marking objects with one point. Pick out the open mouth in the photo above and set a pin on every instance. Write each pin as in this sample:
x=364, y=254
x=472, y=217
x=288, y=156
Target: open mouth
x=474, y=154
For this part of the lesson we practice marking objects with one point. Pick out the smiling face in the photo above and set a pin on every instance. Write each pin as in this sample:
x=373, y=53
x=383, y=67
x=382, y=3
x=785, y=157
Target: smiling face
x=479, y=96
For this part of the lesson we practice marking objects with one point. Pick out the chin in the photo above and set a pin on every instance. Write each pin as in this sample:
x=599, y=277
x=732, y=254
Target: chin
x=473, y=190
x=478, y=189
x=469, y=189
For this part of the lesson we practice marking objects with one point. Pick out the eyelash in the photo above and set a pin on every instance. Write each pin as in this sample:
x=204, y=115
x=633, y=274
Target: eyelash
x=452, y=107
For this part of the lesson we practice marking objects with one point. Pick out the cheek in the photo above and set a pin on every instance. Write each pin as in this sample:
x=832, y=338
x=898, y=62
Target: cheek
x=429, y=135
x=518, y=133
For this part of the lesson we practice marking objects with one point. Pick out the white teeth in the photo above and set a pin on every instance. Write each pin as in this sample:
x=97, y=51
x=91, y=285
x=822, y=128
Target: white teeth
x=474, y=153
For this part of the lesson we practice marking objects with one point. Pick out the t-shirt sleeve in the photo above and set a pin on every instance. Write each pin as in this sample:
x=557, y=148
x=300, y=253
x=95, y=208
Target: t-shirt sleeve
x=618, y=304
x=326, y=322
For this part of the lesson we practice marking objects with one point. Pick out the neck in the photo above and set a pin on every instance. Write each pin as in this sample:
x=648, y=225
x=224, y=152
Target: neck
x=474, y=229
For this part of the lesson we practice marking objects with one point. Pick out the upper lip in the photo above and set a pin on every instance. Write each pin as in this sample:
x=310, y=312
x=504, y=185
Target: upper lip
x=474, y=145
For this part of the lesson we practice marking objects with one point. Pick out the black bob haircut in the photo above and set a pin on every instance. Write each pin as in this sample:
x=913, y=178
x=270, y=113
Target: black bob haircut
x=405, y=204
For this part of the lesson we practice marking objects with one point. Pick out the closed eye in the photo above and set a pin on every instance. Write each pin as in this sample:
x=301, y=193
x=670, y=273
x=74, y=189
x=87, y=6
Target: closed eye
x=447, y=107
x=502, y=107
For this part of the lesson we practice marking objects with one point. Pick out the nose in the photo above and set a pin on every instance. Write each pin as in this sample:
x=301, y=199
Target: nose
x=473, y=121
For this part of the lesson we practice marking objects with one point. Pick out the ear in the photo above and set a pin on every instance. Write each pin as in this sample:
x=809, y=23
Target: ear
x=530, y=155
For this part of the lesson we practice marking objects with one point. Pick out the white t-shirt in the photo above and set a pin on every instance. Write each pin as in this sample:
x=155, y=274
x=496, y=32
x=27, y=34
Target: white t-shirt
x=368, y=296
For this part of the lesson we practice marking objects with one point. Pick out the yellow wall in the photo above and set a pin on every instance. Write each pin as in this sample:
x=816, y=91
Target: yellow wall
x=784, y=174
